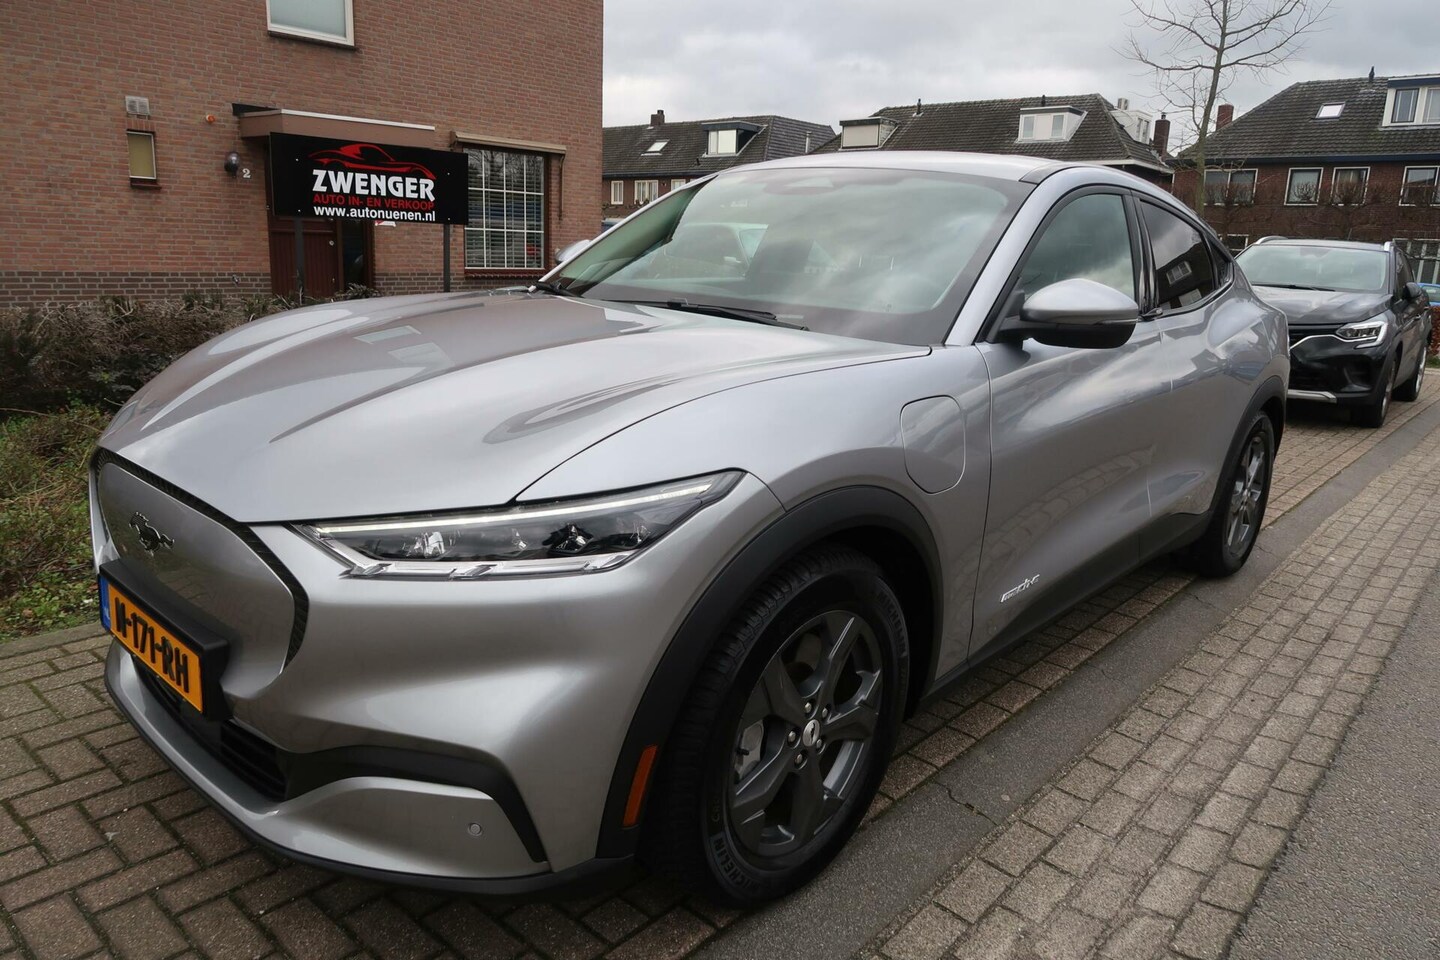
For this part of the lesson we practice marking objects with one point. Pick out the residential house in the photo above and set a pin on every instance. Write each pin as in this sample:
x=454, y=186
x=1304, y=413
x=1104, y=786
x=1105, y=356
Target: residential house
x=141, y=132
x=649, y=160
x=1354, y=159
x=1085, y=128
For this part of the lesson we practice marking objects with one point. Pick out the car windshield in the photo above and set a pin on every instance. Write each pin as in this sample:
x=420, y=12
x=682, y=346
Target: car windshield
x=874, y=253
x=1323, y=268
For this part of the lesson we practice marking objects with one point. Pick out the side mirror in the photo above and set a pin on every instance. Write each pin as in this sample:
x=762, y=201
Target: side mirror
x=1074, y=313
x=572, y=251
x=1413, y=291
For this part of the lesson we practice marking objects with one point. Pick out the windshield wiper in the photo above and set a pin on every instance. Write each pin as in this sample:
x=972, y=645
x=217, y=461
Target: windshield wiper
x=720, y=310
x=1293, y=286
x=548, y=287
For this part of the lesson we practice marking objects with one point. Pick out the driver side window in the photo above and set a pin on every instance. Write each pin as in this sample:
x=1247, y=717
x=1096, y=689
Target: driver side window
x=1088, y=239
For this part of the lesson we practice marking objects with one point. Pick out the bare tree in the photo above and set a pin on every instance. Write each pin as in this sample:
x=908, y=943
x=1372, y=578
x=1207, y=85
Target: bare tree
x=1196, y=48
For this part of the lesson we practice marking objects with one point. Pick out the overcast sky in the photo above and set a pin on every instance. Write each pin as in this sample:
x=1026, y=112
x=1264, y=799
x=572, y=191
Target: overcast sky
x=828, y=60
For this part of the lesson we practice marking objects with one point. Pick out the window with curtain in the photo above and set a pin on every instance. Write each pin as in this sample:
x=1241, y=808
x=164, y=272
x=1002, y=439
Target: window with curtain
x=331, y=20
x=507, y=210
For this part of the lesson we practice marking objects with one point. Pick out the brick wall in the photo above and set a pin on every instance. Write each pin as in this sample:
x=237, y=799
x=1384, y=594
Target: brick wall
x=1379, y=217
x=76, y=228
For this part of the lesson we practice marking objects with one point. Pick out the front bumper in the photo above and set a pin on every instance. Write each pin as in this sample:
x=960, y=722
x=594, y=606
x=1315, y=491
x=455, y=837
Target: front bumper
x=1326, y=369
x=534, y=680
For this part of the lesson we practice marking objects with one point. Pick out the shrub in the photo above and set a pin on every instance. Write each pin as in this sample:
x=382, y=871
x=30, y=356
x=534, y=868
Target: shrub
x=102, y=351
x=45, y=561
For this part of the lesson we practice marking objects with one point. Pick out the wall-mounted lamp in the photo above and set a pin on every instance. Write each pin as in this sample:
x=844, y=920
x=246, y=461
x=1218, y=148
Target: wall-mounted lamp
x=232, y=162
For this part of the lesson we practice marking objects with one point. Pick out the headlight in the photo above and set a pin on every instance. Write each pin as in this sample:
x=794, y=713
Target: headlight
x=1364, y=331
x=564, y=536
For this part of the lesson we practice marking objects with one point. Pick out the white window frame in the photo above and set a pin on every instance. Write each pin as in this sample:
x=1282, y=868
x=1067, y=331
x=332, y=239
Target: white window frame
x=347, y=40
x=657, y=146
x=677, y=183
x=715, y=142
x=154, y=158
x=1319, y=186
x=1226, y=239
x=617, y=193
x=541, y=236
x=1424, y=97
x=1338, y=107
x=646, y=191
x=1435, y=187
x=1335, y=181
x=1230, y=179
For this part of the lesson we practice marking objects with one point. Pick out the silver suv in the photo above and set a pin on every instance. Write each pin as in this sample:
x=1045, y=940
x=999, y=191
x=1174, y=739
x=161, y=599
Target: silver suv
x=493, y=593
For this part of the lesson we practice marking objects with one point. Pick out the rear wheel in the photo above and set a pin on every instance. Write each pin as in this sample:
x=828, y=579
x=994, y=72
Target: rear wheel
x=1235, y=523
x=786, y=733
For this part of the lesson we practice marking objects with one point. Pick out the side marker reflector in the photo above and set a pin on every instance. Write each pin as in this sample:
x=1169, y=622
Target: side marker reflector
x=638, y=785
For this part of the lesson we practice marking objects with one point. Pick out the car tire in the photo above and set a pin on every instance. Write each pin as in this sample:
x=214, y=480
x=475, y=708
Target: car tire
x=1410, y=389
x=1373, y=414
x=781, y=746
x=1235, y=521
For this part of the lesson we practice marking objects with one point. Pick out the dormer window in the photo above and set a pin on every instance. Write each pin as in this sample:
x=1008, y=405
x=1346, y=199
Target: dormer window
x=657, y=146
x=723, y=143
x=1417, y=102
x=1044, y=125
x=1329, y=111
x=865, y=134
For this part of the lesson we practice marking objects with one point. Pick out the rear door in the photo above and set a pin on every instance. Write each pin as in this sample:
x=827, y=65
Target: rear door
x=1203, y=333
x=1073, y=429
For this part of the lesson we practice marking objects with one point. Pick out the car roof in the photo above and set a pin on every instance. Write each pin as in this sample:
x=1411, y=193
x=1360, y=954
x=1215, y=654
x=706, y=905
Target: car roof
x=1339, y=244
x=991, y=165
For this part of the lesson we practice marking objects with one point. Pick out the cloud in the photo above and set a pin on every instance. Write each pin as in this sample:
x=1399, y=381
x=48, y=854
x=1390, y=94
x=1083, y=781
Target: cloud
x=828, y=61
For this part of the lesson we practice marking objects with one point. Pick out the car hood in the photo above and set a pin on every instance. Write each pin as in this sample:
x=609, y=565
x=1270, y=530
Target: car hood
x=1322, y=308
x=424, y=403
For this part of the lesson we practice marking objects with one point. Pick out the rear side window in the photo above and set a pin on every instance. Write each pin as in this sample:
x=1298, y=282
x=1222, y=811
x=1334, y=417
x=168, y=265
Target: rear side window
x=1089, y=239
x=1184, y=272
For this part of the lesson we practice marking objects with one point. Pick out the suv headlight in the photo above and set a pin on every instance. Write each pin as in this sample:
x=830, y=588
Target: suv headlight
x=1364, y=331
x=529, y=539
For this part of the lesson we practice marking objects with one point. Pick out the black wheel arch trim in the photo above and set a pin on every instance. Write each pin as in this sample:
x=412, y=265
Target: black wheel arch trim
x=1272, y=390
x=825, y=516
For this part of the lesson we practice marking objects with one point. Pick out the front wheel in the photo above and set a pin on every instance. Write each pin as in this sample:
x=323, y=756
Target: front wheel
x=1410, y=389
x=1235, y=523
x=786, y=733
x=1373, y=414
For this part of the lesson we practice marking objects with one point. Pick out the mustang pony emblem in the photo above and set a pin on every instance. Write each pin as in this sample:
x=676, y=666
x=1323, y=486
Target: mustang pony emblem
x=150, y=538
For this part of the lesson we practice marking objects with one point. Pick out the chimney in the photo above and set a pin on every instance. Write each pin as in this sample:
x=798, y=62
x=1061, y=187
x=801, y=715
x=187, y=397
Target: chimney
x=1162, y=135
x=1122, y=103
x=1223, y=115
x=657, y=119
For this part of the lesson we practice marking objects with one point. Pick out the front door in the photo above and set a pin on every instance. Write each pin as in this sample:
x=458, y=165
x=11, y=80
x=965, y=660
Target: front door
x=337, y=256
x=1073, y=434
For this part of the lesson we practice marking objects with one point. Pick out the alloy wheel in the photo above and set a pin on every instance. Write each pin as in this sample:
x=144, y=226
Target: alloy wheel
x=1246, y=497
x=806, y=734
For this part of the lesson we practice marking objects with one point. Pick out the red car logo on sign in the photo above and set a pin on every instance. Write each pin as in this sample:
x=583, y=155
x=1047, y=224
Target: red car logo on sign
x=369, y=157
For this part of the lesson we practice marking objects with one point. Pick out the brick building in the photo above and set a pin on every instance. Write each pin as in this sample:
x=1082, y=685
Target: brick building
x=1085, y=128
x=120, y=117
x=1355, y=159
x=645, y=161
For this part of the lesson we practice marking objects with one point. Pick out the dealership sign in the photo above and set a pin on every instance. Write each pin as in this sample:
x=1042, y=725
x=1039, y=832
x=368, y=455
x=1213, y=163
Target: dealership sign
x=352, y=180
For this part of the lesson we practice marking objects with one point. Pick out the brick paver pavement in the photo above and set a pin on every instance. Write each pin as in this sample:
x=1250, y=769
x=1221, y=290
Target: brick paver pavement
x=103, y=849
x=1155, y=841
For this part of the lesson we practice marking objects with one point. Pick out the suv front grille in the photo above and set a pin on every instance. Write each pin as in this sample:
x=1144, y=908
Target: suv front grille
x=244, y=754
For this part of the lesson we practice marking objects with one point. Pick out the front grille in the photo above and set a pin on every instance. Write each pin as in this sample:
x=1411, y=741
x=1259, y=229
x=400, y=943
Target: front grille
x=247, y=536
x=244, y=754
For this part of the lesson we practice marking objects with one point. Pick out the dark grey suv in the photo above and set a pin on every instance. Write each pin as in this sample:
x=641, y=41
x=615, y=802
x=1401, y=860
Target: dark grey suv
x=1358, y=320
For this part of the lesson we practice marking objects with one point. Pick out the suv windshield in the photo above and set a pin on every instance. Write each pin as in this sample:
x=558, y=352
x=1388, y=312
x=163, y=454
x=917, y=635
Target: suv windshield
x=874, y=253
x=1321, y=268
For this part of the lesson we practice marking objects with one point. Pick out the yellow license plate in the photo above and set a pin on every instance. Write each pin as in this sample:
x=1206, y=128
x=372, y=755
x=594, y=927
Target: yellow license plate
x=156, y=648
